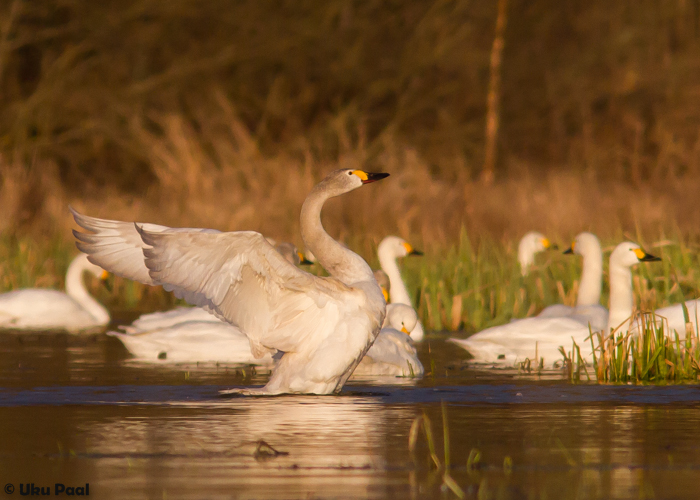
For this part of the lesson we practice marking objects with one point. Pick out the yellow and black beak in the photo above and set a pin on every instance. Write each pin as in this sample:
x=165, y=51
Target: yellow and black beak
x=104, y=275
x=549, y=245
x=645, y=257
x=569, y=251
x=369, y=177
x=403, y=329
x=385, y=293
x=410, y=250
x=303, y=261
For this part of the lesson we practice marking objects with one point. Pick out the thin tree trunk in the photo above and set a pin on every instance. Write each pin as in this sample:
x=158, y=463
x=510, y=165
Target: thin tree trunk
x=494, y=95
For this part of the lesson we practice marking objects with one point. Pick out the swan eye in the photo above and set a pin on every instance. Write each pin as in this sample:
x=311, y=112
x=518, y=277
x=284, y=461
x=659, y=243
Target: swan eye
x=350, y=173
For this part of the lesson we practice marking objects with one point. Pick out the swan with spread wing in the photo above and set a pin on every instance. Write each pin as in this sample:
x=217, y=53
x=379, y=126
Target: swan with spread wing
x=323, y=325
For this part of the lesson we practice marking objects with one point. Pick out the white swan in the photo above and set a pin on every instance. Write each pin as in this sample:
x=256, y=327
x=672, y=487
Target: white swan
x=535, y=338
x=43, y=309
x=530, y=245
x=392, y=352
x=390, y=249
x=588, y=308
x=323, y=325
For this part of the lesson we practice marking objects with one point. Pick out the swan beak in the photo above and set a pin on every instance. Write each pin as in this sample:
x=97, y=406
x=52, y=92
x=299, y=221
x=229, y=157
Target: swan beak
x=570, y=250
x=368, y=177
x=385, y=293
x=104, y=275
x=403, y=329
x=303, y=261
x=645, y=257
x=548, y=244
x=410, y=250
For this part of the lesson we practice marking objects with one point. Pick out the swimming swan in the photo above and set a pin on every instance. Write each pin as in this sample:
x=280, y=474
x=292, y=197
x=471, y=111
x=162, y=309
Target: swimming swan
x=535, y=338
x=392, y=352
x=43, y=309
x=390, y=249
x=588, y=308
x=675, y=317
x=530, y=245
x=324, y=325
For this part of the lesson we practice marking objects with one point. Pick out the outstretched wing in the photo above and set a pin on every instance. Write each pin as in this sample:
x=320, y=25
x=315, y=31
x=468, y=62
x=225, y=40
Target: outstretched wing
x=117, y=246
x=237, y=275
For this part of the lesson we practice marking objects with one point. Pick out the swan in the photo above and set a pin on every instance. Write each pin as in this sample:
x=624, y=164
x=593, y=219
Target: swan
x=323, y=325
x=535, y=338
x=392, y=352
x=162, y=320
x=588, y=309
x=390, y=249
x=530, y=245
x=43, y=309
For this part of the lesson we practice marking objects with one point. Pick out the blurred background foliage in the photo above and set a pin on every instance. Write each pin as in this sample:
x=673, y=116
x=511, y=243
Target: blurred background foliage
x=226, y=113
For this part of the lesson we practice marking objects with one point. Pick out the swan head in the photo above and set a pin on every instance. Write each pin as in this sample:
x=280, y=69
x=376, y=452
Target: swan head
x=628, y=254
x=345, y=180
x=291, y=254
x=530, y=245
x=82, y=263
x=402, y=318
x=383, y=281
x=396, y=247
x=584, y=244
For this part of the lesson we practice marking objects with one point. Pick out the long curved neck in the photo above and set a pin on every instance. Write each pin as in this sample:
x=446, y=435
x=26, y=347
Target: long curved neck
x=75, y=288
x=621, y=296
x=398, y=293
x=526, y=257
x=340, y=262
x=591, y=279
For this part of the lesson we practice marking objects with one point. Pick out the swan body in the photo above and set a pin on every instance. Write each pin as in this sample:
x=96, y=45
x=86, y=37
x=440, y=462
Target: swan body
x=675, y=317
x=539, y=338
x=588, y=309
x=43, y=309
x=392, y=352
x=192, y=342
x=390, y=249
x=323, y=325
x=530, y=245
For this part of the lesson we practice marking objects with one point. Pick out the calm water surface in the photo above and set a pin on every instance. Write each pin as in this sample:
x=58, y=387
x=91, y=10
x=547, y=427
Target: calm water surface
x=75, y=410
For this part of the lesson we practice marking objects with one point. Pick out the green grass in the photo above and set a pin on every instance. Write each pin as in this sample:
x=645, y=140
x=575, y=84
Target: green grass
x=465, y=286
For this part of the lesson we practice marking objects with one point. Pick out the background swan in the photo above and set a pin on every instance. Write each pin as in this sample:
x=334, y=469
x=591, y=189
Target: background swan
x=588, y=308
x=530, y=245
x=392, y=352
x=324, y=325
x=43, y=309
x=390, y=249
x=535, y=338
x=675, y=317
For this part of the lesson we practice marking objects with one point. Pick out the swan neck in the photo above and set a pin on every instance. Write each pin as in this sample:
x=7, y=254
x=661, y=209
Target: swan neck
x=591, y=279
x=398, y=292
x=75, y=288
x=340, y=262
x=526, y=257
x=621, y=296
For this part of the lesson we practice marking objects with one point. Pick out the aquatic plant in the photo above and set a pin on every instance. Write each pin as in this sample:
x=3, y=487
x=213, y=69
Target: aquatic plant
x=651, y=353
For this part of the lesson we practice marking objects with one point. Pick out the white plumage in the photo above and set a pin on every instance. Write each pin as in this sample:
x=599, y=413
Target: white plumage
x=588, y=309
x=390, y=249
x=323, y=325
x=536, y=338
x=42, y=309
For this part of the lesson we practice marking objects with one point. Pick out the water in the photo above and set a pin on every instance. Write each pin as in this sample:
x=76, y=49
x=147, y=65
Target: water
x=75, y=410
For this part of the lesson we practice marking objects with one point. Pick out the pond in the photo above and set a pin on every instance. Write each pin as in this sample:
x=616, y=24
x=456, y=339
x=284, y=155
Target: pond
x=75, y=411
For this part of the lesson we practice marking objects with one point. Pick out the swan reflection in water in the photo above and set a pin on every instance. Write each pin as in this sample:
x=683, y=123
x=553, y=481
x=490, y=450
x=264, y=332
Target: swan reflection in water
x=329, y=445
